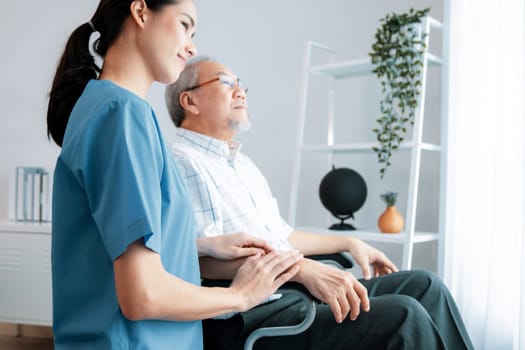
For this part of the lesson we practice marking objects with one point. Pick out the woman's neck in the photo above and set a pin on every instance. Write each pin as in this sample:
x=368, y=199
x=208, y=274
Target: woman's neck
x=126, y=68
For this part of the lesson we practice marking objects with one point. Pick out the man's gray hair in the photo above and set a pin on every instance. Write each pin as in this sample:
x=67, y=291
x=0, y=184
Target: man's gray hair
x=188, y=78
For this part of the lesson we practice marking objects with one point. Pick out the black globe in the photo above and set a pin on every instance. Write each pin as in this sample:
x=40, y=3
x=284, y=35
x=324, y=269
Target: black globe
x=342, y=192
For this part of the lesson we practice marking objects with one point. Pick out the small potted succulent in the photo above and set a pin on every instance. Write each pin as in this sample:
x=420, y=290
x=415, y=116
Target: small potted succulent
x=391, y=221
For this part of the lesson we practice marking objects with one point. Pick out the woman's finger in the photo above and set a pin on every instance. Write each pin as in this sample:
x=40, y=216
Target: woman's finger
x=243, y=252
x=258, y=243
x=286, y=276
x=279, y=262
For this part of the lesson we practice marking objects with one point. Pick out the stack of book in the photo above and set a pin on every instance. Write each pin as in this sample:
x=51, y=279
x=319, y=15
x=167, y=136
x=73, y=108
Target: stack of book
x=32, y=194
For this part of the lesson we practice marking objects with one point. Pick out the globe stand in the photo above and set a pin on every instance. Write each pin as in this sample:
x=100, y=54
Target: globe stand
x=343, y=226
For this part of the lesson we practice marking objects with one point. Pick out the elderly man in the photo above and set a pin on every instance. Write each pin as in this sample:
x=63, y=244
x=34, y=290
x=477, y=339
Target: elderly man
x=385, y=310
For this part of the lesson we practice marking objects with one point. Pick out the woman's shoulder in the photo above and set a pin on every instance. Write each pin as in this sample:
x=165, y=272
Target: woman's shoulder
x=103, y=100
x=106, y=110
x=105, y=91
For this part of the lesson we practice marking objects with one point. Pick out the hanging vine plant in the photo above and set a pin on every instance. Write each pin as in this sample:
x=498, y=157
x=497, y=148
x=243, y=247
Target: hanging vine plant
x=398, y=56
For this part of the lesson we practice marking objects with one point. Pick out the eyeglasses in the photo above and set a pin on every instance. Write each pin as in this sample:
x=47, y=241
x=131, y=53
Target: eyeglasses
x=223, y=79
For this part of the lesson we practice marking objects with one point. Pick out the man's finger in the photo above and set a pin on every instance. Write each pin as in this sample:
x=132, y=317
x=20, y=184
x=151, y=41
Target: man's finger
x=345, y=305
x=355, y=304
x=362, y=293
x=393, y=267
x=336, y=309
x=386, y=263
x=366, y=271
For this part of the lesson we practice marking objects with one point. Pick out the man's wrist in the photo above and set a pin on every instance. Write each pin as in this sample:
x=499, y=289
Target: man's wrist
x=301, y=276
x=350, y=243
x=204, y=246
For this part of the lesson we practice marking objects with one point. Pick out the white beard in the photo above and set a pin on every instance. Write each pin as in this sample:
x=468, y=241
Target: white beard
x=240, y=126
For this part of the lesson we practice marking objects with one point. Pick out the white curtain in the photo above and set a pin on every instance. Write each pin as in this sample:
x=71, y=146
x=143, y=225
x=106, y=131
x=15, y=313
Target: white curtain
x=485, y=225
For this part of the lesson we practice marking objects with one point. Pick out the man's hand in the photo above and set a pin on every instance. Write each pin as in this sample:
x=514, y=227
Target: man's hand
x=232, y=246
x=260, y=276
x=366, y=256
x=338, y=288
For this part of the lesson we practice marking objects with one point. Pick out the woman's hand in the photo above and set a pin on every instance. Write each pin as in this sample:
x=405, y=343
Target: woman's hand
x=232, y=246
x=261, y=275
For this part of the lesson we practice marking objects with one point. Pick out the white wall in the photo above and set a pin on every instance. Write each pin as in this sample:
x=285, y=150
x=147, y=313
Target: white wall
x=262, y=41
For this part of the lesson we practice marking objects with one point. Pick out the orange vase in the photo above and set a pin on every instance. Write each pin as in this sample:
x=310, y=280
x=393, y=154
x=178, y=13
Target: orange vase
x=391, y=221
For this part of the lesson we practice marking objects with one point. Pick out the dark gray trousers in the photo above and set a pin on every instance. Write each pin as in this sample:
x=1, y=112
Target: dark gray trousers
x=408, y=310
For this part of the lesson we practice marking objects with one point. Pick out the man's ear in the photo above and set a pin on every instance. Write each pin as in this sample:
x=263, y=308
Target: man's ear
x=187, y=101
x=139, y=12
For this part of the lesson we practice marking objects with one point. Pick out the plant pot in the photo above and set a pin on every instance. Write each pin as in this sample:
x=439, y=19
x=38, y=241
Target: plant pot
x=391, y=221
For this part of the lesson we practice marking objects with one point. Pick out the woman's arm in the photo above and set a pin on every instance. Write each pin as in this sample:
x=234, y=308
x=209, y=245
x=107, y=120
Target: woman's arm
x=145, y=290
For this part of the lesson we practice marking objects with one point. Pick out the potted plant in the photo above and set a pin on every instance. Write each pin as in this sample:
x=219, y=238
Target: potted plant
x=391, y=221
x=398, y=56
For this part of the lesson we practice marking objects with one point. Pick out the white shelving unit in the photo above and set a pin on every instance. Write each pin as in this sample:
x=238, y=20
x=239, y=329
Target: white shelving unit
x=25, y=273
x=335, y=70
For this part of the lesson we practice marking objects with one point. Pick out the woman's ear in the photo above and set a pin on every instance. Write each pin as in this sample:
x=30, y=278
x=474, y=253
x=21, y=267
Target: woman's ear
x=188, y=102
x=139, y=12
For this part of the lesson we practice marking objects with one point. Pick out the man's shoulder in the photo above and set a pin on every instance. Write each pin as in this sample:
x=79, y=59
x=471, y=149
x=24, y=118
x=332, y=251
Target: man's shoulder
x=186, y=158
x=183, y=151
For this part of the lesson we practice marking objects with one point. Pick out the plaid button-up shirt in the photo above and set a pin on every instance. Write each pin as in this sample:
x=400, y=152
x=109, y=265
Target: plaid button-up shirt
x=228, y=191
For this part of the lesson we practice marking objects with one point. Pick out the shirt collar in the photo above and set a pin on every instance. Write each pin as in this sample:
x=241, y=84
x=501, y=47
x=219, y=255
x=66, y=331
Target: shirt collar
x=208, y=145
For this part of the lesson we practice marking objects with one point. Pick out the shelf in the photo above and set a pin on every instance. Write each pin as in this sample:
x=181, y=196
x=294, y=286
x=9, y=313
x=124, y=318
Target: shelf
x=365, y=147
x=25, y=227
x=334, y=69
x=374, y=236
x=345, y=69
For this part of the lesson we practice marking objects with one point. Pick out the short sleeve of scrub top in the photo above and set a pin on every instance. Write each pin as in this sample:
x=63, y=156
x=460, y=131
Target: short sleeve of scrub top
x=124, y=190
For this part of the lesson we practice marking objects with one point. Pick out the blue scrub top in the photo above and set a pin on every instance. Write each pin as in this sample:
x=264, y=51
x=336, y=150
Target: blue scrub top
x=115, y=182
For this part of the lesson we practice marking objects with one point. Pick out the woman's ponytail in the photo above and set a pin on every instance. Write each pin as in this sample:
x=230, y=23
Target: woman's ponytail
x=77, y=66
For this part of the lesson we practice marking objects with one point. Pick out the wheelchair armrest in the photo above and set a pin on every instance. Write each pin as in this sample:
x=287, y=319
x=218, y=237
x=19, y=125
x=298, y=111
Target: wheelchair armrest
x=288, y=288
x=342, y=260
x=308, y=299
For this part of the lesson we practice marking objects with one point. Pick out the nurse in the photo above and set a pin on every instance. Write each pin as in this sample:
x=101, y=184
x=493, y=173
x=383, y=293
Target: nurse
x=124, y=259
